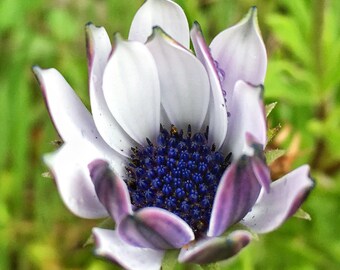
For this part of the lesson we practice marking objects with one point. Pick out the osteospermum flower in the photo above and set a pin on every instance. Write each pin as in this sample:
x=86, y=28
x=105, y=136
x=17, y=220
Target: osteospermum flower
x=173, y=149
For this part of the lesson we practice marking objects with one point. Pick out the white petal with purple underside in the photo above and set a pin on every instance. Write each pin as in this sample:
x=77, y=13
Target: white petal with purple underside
x=98, y=50
x=131, y=90
x=69, y=115
x=236, y=194
x=110, y=246
x=155, y=228
x=69, y=167
x=215, y=249
x=183, y=80
x=285, y=197
x=163, y=13
x=246, y=116
x=217, y=112
x=111, y=190
x=240, y=54
x=72, y=120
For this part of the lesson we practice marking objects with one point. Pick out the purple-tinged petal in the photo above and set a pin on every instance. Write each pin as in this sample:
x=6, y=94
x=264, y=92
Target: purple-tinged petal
x=68, y=165
x=240, y=54
x=261, y=172
x=112, y=247
x=247, y=116
x=155, y=228
x=183, y=80
x=69, y=115
x=163, y=13
x=236, y=194
x=72, y=120
x=215, y=249
x=284, y=199
x=131, y=90
x=218, y=119
x=111, y=190
x=98, y=50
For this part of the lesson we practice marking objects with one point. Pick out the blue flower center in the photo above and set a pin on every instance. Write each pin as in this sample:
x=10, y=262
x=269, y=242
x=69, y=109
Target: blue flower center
x=180, y=174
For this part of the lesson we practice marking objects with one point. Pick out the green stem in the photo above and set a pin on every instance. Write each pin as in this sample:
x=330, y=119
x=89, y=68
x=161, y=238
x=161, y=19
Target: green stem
x=321, y=111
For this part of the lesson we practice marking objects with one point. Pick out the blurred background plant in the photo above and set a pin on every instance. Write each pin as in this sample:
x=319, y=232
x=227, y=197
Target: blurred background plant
x=303, y=43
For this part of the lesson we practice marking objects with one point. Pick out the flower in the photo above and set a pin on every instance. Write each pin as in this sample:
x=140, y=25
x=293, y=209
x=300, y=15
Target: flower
x=173, y=151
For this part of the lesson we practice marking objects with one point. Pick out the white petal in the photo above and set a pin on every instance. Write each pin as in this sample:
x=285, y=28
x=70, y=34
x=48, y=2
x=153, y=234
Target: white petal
x=72, y=120
x=163, y=13
x=69, y=167
x=240, y=54
x=246, y=116
x=131, y=90
x=109, y=245
x=285, y=197
x=99, y=49
x=218, y=120
x=69, y=115
x=183, y=80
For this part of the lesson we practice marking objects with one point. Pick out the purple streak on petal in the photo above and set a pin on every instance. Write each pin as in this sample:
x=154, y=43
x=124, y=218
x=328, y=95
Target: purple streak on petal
x=217, y=112
x=111, y=246
x=111, y=190
x=155, y=228
x=262, y=173
x=215, y=249
x=285, y=197
x=236, y=194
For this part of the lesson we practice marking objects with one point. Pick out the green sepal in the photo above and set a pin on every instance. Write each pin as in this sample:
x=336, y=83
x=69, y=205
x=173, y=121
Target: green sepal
x=272, y=132
x=270, y=107
x=300, y=213
x=272, y=155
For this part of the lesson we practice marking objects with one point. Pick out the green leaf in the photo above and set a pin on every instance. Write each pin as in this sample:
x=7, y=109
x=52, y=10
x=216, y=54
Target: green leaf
x=270, y=107
x=289, y=33
x=300, y=213
x=272, y=155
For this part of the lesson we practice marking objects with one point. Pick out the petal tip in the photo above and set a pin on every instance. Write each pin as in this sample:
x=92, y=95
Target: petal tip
x=89, y=24
x=92, y=166
x=158, y=32
x=252, y=15
x=37, y=72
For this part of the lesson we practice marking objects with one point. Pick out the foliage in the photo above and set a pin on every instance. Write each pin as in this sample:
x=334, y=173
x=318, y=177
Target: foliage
x=303, y=42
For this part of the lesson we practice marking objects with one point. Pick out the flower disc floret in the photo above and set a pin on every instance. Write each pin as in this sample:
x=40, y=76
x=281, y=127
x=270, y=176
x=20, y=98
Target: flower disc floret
x=179, y=173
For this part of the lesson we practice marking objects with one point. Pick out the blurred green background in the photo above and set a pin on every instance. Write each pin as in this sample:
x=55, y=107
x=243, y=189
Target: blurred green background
x=303, y=43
